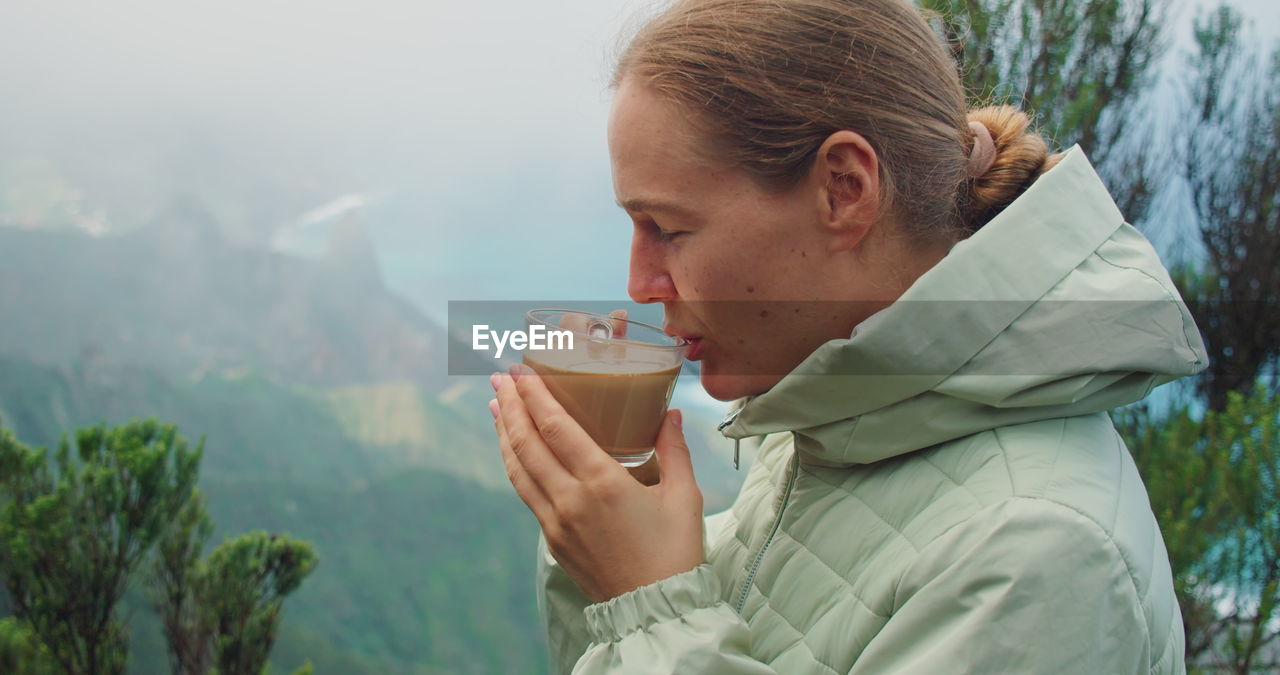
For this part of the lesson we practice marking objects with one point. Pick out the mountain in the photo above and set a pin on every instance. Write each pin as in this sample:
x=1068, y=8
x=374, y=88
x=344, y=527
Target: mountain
x=328, y=413
x=180, y=297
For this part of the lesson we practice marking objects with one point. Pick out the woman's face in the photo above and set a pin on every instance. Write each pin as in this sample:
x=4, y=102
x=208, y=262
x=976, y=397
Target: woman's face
x=752, y=275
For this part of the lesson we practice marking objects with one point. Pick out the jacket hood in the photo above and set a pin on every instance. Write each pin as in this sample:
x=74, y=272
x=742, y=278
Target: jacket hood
x=1055, y=308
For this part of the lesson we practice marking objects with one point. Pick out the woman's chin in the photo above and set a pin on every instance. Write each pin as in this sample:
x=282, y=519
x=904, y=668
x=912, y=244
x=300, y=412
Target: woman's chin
x=730, y=387
x=719, y=387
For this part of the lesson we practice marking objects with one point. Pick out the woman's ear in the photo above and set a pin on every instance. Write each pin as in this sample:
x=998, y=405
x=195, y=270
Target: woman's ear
x=846, y=173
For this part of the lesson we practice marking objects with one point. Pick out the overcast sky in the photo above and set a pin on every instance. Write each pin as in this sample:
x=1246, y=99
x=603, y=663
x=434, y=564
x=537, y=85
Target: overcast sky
x=484, y=121
x=513, y=70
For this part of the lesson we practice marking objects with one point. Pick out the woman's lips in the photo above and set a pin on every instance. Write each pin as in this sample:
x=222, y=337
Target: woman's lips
x=694, y=352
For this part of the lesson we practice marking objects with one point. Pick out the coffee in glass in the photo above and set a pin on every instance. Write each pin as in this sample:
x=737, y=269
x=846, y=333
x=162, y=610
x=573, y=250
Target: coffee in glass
x=615, y=379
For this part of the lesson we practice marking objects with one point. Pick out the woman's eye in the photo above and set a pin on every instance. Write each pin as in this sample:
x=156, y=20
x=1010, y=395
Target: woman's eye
x=667, y=235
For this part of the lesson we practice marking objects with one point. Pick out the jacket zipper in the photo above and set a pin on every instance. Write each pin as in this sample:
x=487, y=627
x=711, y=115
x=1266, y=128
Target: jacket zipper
x=726, y=422
x=792, y=472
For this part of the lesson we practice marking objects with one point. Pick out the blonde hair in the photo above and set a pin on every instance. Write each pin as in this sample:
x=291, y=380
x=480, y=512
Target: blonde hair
x=769, y=80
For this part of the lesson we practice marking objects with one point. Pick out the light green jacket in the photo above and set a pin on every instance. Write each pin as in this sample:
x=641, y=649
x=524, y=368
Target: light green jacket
x=943, y=492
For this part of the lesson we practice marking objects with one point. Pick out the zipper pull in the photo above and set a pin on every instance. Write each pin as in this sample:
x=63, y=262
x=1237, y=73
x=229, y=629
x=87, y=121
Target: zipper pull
x=726, y=422
x=733, y=415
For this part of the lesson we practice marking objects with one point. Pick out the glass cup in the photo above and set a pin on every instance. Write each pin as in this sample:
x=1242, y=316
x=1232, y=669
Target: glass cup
x=614, y=376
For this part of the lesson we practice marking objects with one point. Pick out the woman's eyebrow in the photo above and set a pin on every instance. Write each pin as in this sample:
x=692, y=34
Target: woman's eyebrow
x=656, y=206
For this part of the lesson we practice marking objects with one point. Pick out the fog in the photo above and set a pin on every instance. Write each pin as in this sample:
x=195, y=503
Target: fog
x=427, y=70
x=479, y=128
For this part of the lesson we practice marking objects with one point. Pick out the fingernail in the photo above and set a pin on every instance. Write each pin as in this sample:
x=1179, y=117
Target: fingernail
x=493, y=407
x=677, y=419
x=516, y=371
x=494, y=381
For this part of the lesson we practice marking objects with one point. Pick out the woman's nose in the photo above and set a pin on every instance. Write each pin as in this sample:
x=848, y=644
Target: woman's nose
x=648, y=279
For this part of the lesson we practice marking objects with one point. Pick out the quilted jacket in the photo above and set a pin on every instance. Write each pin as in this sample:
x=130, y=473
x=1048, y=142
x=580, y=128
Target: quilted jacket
x=943, y=492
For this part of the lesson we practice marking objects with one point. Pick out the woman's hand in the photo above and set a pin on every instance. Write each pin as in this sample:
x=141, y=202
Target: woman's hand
x=610, y=533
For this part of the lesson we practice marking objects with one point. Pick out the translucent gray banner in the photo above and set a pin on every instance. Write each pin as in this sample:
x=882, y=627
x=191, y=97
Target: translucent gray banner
x=911, y=338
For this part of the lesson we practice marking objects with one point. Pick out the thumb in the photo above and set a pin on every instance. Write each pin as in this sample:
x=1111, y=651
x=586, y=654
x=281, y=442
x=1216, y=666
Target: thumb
x=674, y=463
x=619, y=327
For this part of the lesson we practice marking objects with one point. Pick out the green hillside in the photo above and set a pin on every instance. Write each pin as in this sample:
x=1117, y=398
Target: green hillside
x=419, y=568
x=421, y=572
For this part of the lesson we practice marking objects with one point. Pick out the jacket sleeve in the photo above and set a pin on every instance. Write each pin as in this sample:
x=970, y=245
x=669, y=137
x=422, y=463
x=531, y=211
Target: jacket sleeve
x=676, y=625
x=1025, y=586
x=560, y=605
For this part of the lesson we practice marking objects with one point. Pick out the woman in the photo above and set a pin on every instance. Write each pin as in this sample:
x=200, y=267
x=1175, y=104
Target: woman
x=919, y=310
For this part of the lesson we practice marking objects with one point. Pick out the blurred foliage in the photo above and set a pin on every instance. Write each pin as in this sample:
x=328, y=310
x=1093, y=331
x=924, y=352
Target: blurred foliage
x=1213, y=484
x=21, y=652
x=72, y=533
x=1222, y=469
x=1229, y=155
x=1082, y=68
x=75, y=531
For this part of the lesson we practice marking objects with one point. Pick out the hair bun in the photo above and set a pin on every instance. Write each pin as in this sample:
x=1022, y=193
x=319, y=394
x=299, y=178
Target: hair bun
x=1020, y=157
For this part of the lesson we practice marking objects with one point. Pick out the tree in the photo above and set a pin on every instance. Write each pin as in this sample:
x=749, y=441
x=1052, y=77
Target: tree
x=1183, y=470
x=221, y=613
x=73, y=534
x=245, y=582
x=1229, y=152
x=1247, y=557
x=1080, y=67
x=174, y=589
x=21, y=652
x=1214, y=485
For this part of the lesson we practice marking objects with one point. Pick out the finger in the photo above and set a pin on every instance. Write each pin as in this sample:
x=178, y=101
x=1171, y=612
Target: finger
x=527, y=446
x=574, y=322
x=619, y=327
x=675, y=465
x=526, y=489
x=574, y=447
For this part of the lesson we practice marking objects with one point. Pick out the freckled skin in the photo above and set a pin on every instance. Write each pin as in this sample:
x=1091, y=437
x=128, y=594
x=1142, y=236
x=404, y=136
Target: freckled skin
x=729, y=225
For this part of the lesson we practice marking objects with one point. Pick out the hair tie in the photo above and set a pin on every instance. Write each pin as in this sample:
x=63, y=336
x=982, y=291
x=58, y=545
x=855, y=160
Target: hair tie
x=983, y=154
